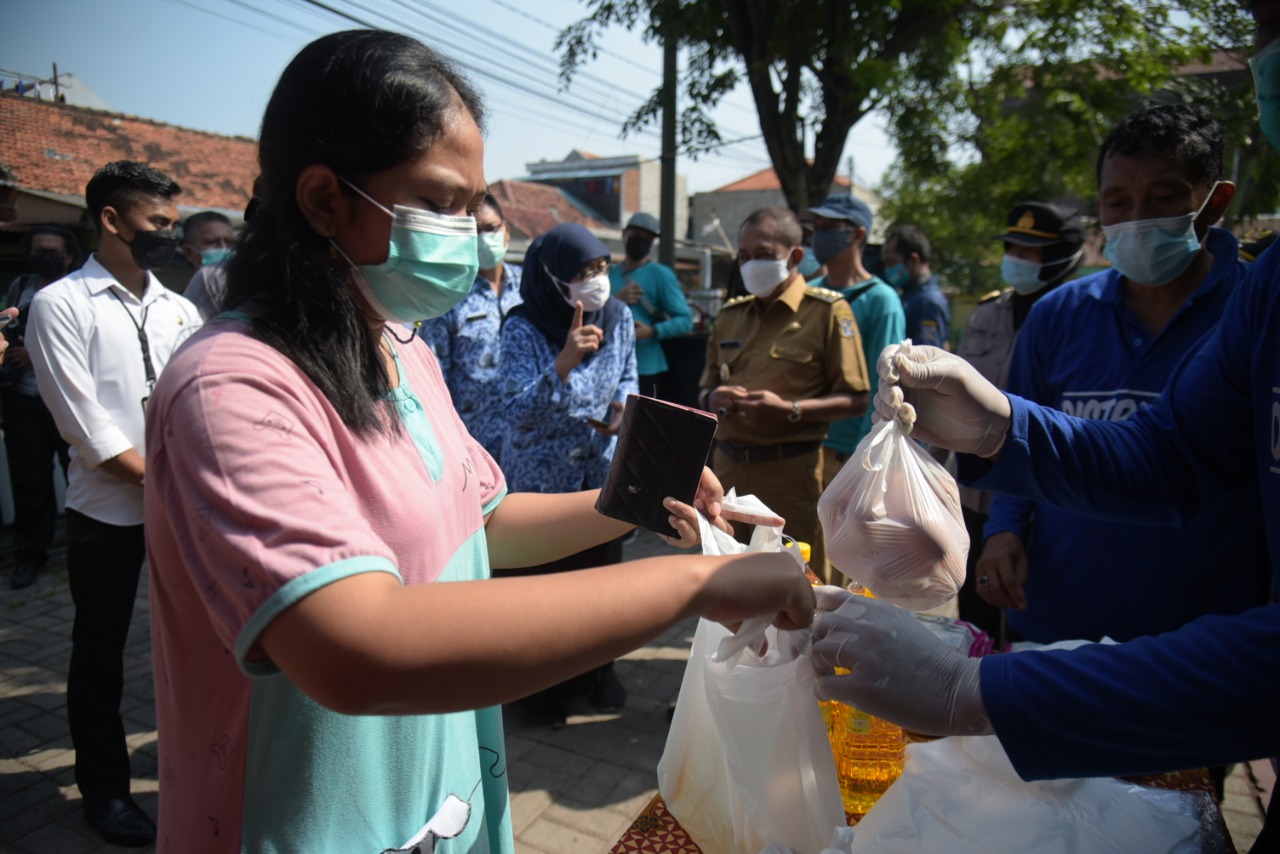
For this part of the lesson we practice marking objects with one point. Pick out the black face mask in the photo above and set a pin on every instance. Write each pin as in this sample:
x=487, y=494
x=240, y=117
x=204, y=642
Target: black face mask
x=48, y=264
x=638, y=247
x=151, y=249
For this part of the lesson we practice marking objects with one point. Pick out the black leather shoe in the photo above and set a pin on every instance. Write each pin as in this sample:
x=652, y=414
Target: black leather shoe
x=608, y=695
x=24, y=575
x=120, y=821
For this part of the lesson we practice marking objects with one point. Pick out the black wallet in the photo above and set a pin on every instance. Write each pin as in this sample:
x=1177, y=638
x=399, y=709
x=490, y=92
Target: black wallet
x=662, y=448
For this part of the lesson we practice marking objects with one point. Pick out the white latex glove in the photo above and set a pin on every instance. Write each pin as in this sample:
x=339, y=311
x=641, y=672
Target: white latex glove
x=901, y=671
x=955, y=407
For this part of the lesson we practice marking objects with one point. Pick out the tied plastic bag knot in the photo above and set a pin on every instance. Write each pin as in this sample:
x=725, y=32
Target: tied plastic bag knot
x=747, y=761
x=905, y=413
x=891, y=518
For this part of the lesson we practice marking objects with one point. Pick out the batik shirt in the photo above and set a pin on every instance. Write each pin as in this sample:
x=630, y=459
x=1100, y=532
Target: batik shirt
x=466, y=343
x=549, y=446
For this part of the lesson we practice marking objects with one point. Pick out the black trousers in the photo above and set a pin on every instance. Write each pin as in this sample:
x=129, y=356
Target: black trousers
x=103, y=565
x=31, y=440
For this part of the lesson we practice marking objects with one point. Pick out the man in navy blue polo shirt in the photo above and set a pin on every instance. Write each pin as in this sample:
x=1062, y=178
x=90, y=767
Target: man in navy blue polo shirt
x=1102, y=346
x=905, y=256
x=1204, y=694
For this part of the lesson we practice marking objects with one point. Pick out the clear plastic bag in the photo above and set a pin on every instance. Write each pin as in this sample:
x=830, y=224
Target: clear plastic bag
x=747, y=761
x=891, y=520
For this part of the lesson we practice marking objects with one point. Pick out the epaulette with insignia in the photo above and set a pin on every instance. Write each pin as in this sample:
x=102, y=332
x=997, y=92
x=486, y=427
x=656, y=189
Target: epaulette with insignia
x=738, y=301
x=990, y=295
x=823, y=294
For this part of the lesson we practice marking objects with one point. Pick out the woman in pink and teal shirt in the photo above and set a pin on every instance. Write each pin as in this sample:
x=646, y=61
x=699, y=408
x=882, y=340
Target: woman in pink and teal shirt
x=330, y=652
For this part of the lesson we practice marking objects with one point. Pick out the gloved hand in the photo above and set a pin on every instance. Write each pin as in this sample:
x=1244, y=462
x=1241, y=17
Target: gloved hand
x=901, y=671
x=955, y=407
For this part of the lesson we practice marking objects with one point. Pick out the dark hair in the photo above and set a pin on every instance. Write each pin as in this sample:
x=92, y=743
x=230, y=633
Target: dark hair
x=492, y=203
x=121, y=183
x=786, y=225
x=194, y=222
x=1189, y=134
x=68, y=240
x=907, y=239
x=360, y=102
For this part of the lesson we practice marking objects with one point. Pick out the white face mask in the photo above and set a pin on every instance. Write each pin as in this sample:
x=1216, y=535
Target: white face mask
x=761, y=277
x=593, y=293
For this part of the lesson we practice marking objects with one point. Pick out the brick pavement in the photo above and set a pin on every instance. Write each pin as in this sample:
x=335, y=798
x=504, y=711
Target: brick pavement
x=573, y=790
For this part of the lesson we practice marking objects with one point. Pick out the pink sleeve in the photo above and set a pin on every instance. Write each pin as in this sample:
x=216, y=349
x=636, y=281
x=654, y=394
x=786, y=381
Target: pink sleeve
x=256, y=510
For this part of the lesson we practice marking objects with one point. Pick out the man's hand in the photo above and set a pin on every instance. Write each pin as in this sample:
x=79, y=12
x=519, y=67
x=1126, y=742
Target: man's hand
x=896, y=668
x=16, y=357
x=630, y=293
x=643, y=331
x=954, y=405
x=764, y=406
x=1002, y=571
x=580, y=341
x=724, y=399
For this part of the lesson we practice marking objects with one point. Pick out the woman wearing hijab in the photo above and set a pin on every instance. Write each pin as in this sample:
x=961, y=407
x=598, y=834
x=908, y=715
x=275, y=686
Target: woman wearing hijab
x=568, y=363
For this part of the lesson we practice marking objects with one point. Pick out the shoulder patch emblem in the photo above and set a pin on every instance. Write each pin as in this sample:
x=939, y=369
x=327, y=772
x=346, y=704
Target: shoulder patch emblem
x=848, y=327
x=928, y=332
x=824, y=294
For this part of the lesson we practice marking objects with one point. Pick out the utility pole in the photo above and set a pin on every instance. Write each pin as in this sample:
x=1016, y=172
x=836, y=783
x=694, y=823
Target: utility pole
x=667, y=213
x=57, y=90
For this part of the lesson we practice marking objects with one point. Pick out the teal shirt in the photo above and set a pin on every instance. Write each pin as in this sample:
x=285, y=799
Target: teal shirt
x=662, y=296
x=882, y=322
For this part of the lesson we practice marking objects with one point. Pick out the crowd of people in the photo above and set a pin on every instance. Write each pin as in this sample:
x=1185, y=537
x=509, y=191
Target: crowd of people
x=360, y=397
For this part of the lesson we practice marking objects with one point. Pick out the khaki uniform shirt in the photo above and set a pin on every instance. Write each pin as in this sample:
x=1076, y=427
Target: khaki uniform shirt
x=987, y=344
x=803, y=344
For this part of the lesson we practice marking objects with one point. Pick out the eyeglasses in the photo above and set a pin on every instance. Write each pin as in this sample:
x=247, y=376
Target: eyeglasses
x=599, y=269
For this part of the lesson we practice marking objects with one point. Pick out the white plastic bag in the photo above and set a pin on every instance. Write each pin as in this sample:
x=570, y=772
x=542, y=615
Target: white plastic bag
x=747, y=761
x=962, y=796
x=891, y=520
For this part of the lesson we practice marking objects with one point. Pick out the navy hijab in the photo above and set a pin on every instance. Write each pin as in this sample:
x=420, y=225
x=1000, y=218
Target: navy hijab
x=563, y=251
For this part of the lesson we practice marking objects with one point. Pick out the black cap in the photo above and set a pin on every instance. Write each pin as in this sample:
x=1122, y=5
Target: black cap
x=1040, y=224
x=646, y=222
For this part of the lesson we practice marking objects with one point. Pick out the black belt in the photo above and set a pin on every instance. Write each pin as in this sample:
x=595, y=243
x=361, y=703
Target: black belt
x=768, y=453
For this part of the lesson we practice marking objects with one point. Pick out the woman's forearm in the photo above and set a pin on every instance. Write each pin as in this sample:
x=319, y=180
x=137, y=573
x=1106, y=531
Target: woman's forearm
x=530, y=528
x=368, y=645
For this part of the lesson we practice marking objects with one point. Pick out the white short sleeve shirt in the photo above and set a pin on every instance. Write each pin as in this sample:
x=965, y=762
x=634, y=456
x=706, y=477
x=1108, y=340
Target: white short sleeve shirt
x=83, y=337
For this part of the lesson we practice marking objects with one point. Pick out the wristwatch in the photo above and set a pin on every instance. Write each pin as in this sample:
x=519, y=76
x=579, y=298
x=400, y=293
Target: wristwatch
x=795, y=412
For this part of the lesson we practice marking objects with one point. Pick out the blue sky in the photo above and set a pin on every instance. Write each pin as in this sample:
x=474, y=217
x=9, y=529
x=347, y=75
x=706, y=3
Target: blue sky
x=211, y=65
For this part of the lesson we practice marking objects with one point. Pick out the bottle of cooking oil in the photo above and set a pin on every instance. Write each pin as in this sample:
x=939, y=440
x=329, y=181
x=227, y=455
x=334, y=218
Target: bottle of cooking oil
x=868, y=751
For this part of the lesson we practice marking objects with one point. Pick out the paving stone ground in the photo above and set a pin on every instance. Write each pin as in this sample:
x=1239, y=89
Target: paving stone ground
x=573, y=790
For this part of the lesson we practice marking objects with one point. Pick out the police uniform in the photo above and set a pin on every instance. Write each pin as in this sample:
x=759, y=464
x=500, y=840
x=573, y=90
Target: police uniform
x=801, y=345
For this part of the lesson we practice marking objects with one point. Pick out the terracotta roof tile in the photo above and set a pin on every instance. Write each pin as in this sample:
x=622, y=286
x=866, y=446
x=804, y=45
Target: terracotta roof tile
x=767, y=179
x=532, y=208
x=57, y=148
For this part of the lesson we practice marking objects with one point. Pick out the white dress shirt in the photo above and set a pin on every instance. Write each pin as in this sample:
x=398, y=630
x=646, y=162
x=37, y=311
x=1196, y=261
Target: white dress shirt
x=83, y=339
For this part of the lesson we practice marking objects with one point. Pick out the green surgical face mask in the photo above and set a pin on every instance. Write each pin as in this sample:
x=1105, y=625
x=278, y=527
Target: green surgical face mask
x=431, y=264
x=1266, y=84
x=492, y=248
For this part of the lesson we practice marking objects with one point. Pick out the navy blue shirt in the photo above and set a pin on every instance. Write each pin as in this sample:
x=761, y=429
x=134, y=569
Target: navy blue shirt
x=1205, y=694
x=928, y=312
x=467, y=344
x=1082, y=351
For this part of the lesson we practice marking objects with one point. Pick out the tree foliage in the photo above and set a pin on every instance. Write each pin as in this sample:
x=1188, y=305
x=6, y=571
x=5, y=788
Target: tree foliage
x=990, y=102
x=814, y=68
x=1031, y=126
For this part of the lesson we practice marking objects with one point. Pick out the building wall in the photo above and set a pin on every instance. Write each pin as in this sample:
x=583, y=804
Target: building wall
x=648, y=195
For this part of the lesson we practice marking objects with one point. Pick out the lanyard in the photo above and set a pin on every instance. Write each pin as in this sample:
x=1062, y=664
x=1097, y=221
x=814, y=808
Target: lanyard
x=142, y=340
